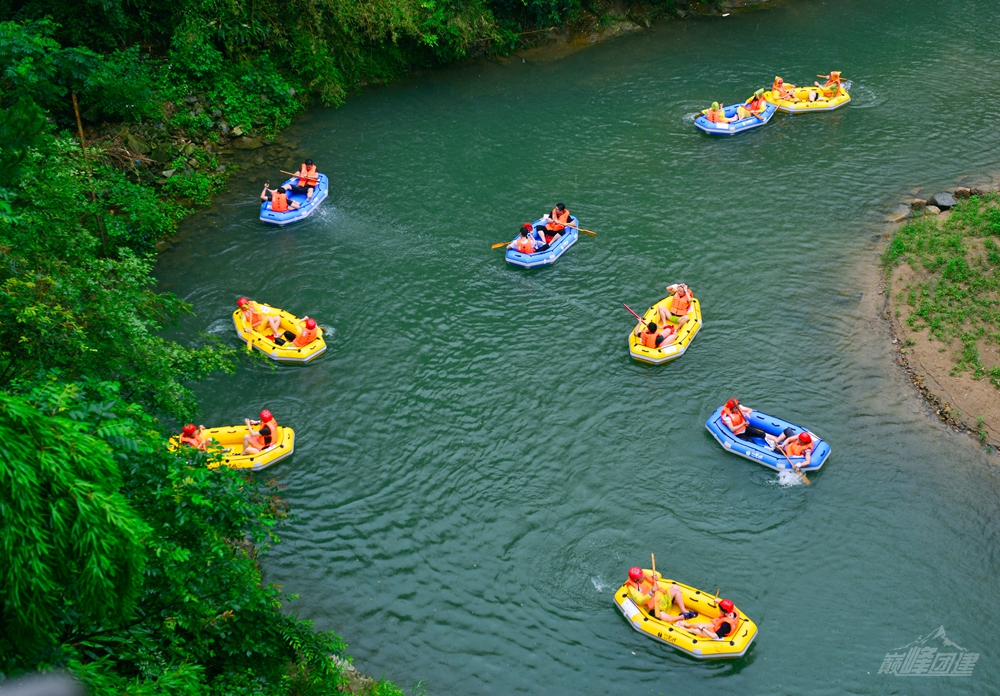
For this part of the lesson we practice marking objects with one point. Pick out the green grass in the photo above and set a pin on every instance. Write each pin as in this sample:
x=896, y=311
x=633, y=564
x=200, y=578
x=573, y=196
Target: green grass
x=957, y=295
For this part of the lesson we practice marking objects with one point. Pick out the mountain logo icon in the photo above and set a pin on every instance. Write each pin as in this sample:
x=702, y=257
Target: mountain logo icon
x=933, y=655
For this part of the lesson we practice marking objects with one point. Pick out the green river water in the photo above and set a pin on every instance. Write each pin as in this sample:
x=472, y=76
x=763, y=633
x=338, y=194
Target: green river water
x=479, y=461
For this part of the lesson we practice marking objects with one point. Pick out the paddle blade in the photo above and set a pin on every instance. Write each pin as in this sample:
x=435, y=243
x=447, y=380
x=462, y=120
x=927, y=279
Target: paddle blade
x=497, y=246
x=805, y=479
x=592, y=234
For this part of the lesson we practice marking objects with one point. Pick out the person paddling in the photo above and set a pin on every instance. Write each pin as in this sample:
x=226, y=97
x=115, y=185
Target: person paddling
x=263, y=437
x=308, y=177
x=735, y=416
x=651, y=336
x=754, y=106
x=782, y=90
x=193, y=437
x=832, y=86
x=801, y=445
x=523, y=243
x=644, y=589
x=279, y=199
x=555, y=223
x=717, y=114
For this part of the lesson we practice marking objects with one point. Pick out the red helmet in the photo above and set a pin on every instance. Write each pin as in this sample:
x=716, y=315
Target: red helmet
x=732, y=403
x=242, y=301
x=804, y=438
x=725, y=605
x=635, y=573
x=189, y=429
x=526, y=226
x=310, y=323
x=265, y=416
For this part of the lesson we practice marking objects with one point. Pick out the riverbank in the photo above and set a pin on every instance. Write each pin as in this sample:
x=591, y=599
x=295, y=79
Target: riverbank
x=942, y=274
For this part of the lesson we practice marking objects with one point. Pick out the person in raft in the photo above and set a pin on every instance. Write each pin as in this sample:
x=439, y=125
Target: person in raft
x=676, y=311
x=192, y=436
x=721, y=627
x=735, y=415
x=652, y=336
x=555, y=223
x=279, y=199
x=801, y=445
x=306, y=335
x=523, y=243
x=644, y=589
x=255, y=316
x=781, y=90
x=261, y=438
x=832, y=86
x=754, y=106
x=717, y=114
x=306, y=183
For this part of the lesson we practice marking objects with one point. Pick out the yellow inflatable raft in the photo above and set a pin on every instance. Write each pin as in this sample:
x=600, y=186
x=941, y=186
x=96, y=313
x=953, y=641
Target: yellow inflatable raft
x=281, y=353
x=230, y=438
x=694, y=645
x=801, y=104
x=685, y=335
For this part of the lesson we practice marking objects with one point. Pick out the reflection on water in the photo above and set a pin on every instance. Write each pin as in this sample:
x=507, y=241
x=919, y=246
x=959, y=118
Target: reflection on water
x=479, y=462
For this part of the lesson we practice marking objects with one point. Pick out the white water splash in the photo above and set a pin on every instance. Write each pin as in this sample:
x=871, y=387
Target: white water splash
x=599, y=584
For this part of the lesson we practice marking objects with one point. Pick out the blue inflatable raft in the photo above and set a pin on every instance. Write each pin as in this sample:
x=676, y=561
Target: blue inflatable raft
x=549, y=256
x=735, y=127
x=757, y=450
x=305, y=207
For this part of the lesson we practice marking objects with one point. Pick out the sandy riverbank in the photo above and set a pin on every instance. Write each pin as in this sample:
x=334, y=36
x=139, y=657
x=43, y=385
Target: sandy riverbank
x=941, y=270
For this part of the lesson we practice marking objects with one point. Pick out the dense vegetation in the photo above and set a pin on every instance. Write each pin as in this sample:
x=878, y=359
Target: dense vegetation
x=954, y=294
x=131, y=566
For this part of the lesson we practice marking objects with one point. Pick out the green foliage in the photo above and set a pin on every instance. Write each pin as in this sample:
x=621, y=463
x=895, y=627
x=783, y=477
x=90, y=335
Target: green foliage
x=71, y=544
x=958, y=262
x=94, y=494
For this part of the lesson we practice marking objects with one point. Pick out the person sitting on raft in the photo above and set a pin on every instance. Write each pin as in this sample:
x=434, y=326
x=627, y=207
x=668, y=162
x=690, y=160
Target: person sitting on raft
x=646, y=592
x=523, y=243
x=255, y=316
x=716, y=114
x=832, y=86
x=555, y=223
x=262, y=438
x=676, y=311
x=783, y=91
x=306, y=183
x=279, y=199
x=754, y=106
x=726, y=624
x=800, y=446
x=192, y=436
x=653, y=337
x=735, y=415
x=306, y=335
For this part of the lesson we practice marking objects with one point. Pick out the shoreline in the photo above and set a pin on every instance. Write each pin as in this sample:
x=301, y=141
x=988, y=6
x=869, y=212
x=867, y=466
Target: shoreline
x=965, y=404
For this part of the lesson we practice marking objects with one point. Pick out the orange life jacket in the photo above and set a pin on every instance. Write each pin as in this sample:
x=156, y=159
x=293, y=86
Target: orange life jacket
x=734, y=624
x=716, y=116
x=736, y=418
x=796, y=448
x=305, y=338
x=756, y=104
x=261, y=441
x=524, y=245
x=279, y=202
x=680, y=303
x=648, y=338
x=558, y=218
x=251, y=315
x=311, y=178
x=195, y=440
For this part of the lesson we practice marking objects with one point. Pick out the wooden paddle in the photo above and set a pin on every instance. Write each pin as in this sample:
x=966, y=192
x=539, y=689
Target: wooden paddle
x=575, y=227
x=805, y=479
x=497, y=246
x=243, y=321
x=633, y=313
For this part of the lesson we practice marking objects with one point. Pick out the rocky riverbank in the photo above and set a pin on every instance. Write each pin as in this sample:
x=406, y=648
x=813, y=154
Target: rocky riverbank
x=941, y=276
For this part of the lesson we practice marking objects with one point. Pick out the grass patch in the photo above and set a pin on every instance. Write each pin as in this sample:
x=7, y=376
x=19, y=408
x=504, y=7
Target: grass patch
x=955, y=293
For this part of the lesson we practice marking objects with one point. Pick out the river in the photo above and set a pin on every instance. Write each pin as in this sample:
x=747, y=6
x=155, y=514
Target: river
x=478, y=459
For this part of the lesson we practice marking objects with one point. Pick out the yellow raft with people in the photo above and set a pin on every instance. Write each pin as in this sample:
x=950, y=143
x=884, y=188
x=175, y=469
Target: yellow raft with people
x=281, y=352
x=686, y=334
x=230, y=439
x=827, y=98
x=670, y=634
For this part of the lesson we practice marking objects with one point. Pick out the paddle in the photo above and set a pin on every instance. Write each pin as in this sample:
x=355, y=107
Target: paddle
x=805, y=479
x=243, y=320
x=497, y=246
x=575, y=227
x=633, y=313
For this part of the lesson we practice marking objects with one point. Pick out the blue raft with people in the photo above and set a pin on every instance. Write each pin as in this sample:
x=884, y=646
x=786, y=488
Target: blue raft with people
x=306, y=207
x=757, y=449
x=549, y=256
x=734, y=127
